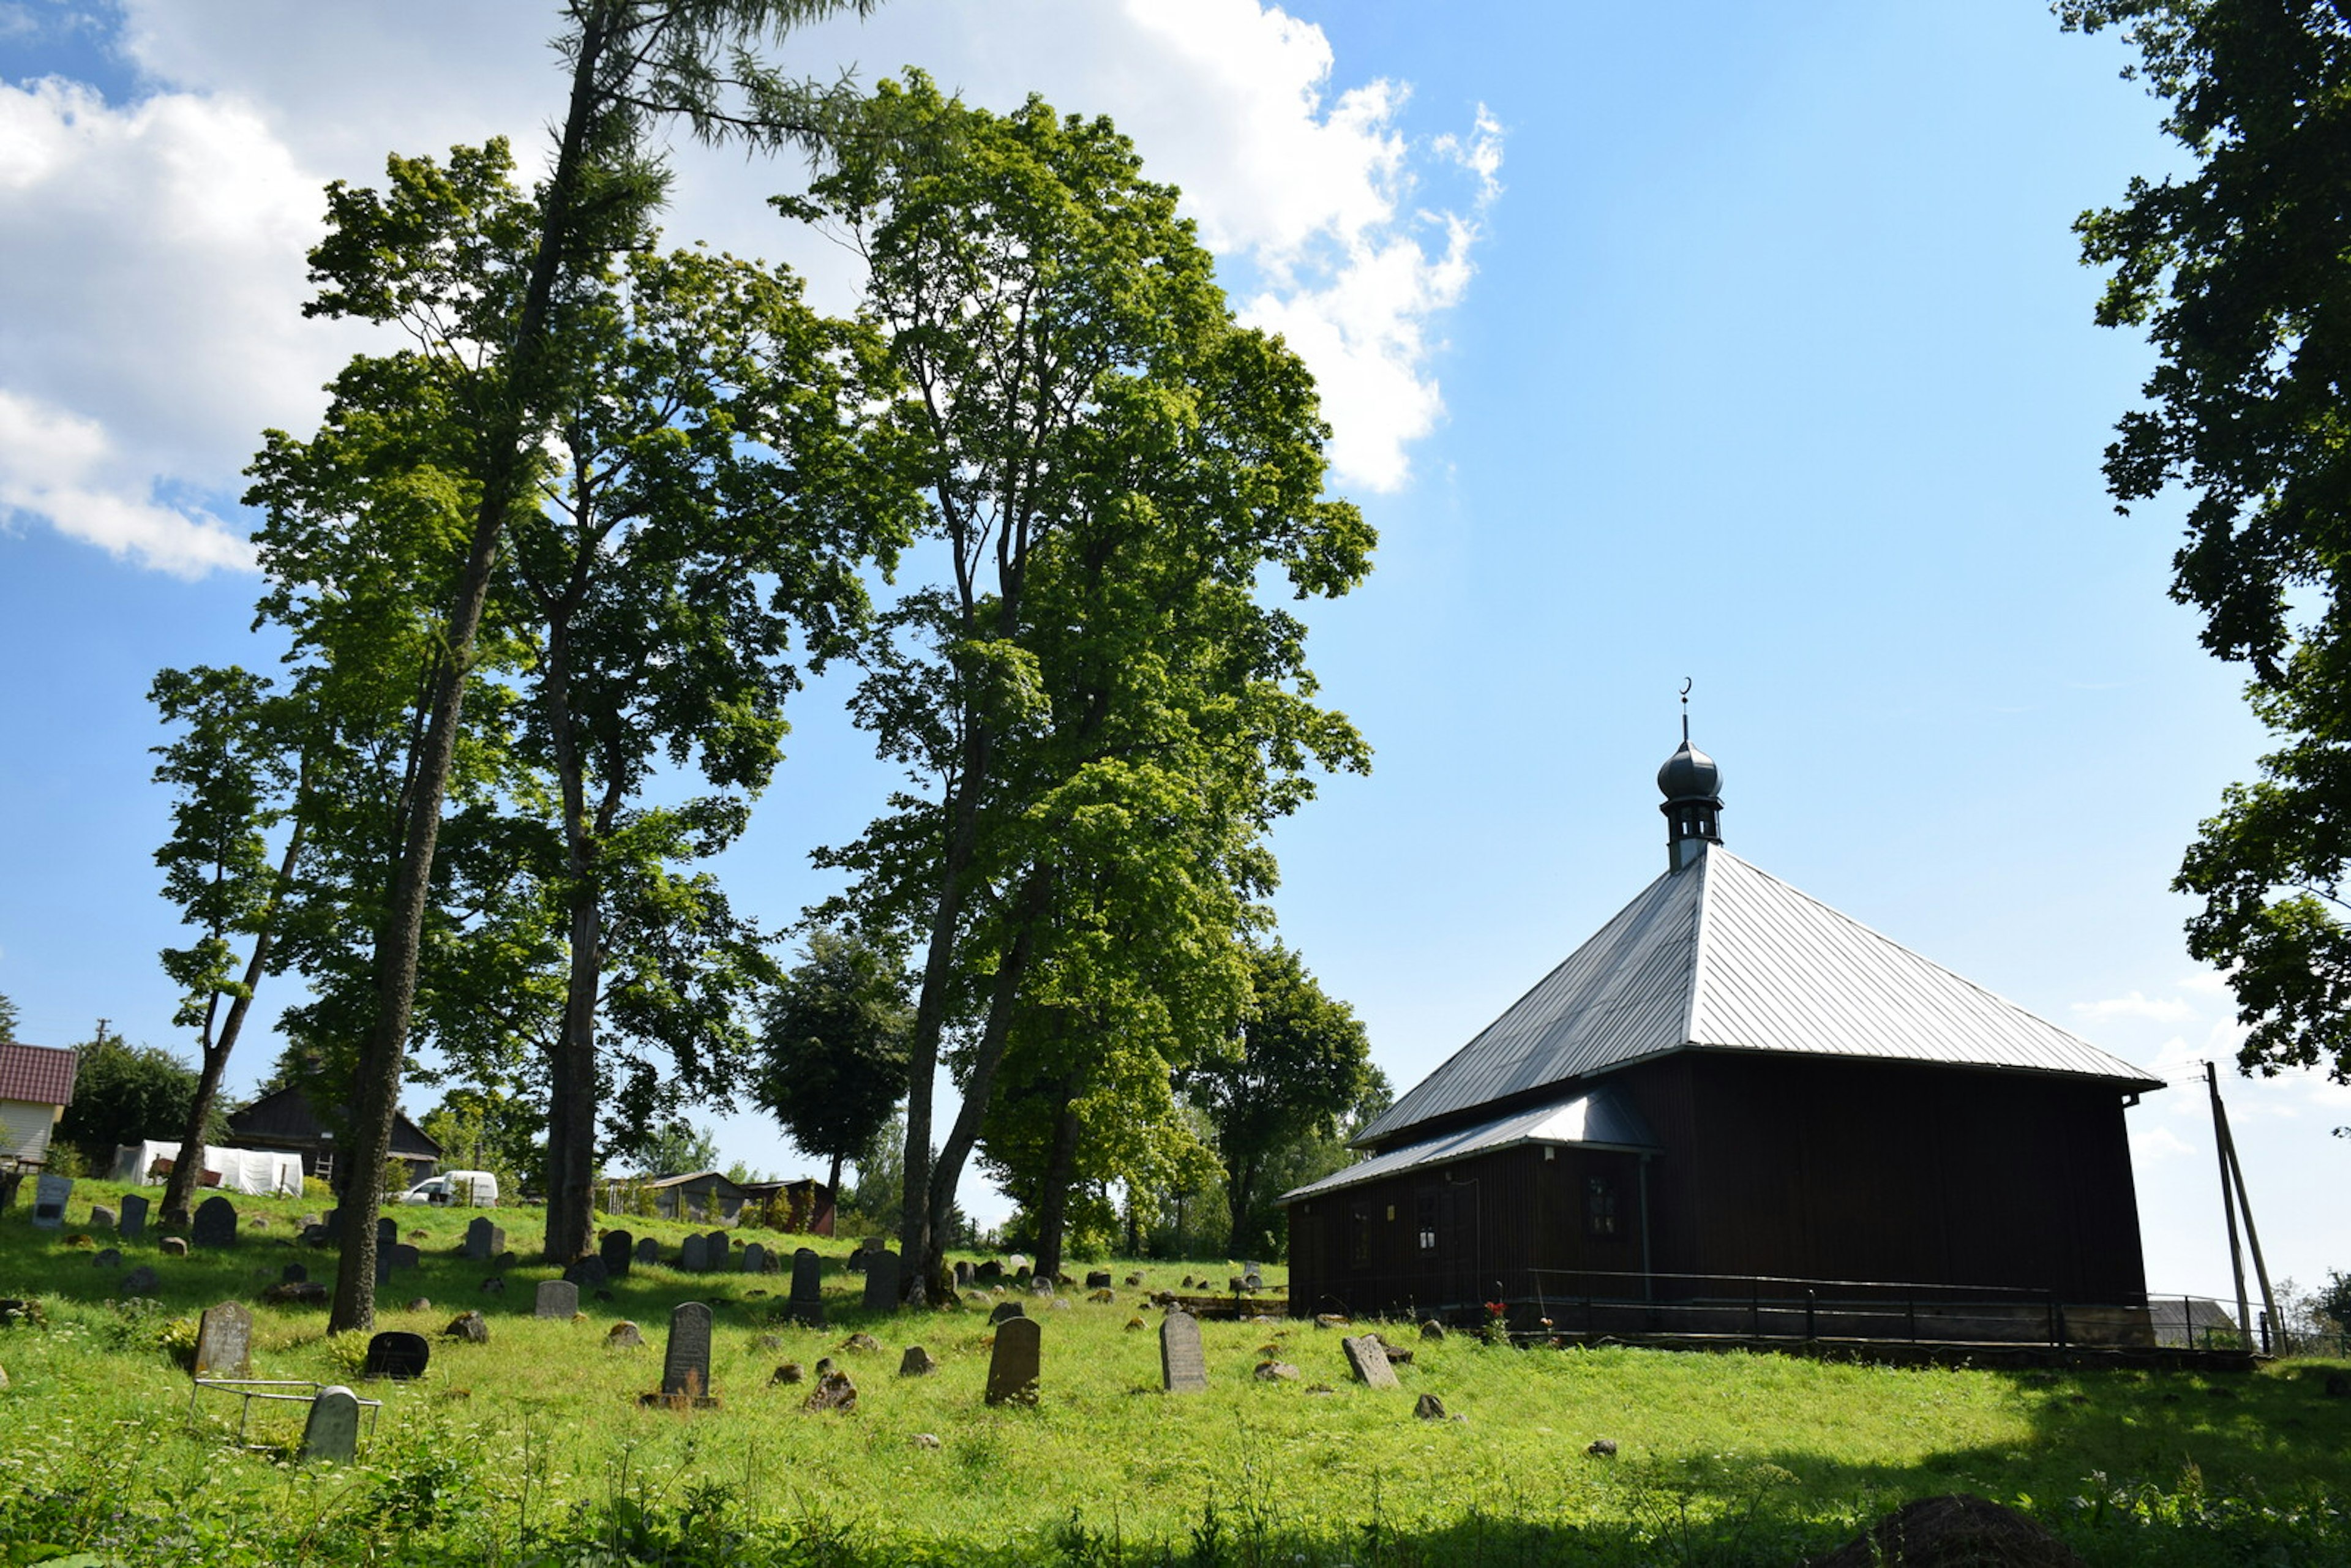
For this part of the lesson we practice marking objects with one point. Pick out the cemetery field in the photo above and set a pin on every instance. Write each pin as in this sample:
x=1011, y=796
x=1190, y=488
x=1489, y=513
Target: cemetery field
x=534, y=1449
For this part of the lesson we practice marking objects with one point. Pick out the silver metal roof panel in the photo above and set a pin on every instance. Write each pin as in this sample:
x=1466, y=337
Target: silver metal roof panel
x=1600, y=1119
x=1723, y=955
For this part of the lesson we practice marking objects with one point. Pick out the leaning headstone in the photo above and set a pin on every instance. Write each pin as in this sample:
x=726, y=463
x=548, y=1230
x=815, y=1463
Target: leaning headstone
x=616, y=1249
x=1005, y=1313
x=695, y=1254
x=1012, y=1368
x=101, y=1217
x=623, y=1335
x=216, y=1224
x=685, y=1364
x=140, y=1281
x=882, y=1282
x=133, y=1223
x=403, y=1255
x=1183, y=1364
x=332, y=1433
x=50, y=1194
x=557, y=1298
x=648, y=1251
x=484, y=1240
x=586, y=1272
x=1370, y=1360
x=224, y=1342
x=387, y=1232
x=754, y=1258
x=917, y=1362
x=806, y=1304
x=397, y=1356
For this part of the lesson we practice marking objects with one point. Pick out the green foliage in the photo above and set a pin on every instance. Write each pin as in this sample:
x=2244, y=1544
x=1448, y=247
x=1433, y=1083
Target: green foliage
x=833, y=1047
x=7, y=1020
x=2240, y=272
x=676, y=1147
x=125, y=1094
x=486, y=1130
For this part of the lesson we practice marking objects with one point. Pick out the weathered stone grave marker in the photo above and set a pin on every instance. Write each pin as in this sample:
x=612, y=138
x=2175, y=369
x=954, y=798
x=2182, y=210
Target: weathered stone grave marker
x=1097, y=1278
x=332, y=1433
x=963, y=1272
x=387, y=1232
x=224, y=1342
x=50, y=1194
x=754, y=1258
x=685, y=1361
x=109, y=1258
x=557, y=1298
x=1183, y=1364
x=1005, y=1311
x=397, y=1356
x=140, y=1281
x=882, y=1282
x=215, y=1225
x=484, y=1240
x=586, y=1272
x=989, y=1272
x=917, y=1362
x=616, y=1249
x=133, y=1223
x=403, y=1255
x=695, y=1254
x=715, y=1251
x=293, y=1274
x=648, y=1251
x=806, y=1304
x=1012, y=1368
x=101, y=1217
x=1369, y=1359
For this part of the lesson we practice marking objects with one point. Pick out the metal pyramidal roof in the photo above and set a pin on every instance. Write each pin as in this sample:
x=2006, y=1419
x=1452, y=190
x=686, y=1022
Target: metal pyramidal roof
x=1722, y=955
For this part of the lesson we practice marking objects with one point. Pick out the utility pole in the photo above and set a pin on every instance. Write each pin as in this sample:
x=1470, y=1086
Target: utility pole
x=2232, y=1198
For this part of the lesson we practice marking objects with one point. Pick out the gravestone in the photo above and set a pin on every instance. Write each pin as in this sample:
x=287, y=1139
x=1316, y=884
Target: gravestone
x=216, y=1224
x=292, y=1274
x=1370, y=1360
x=989, y=1272
x=133, y=1223
x=403, y=1255
x=695, y=1254
x=686, y=1363
x=224, y=1342
x=1252, y=1282
x=963, y=1272
x=140, y=1281
x=917, y=1362
x=1005, y=1313
x=557, y=1298
x=806, y=1304
x=332, y=1433
x=648, y=1251
x=484, y=1240
x=109, y=1258
x=1097, y=1278
x=586, y=1272
x=616, y=1249
x=101, y=1217
x=882, y=1282
x=754, y=1258
x=1183, y=1364
x=50, y=1194
x=397, y=1356
x=1012, y=1368
x=387, y=1232
x=174, y=1246
x=623, y=1335
x=471, y=1327
x=833, y=1392
x=714, y=1252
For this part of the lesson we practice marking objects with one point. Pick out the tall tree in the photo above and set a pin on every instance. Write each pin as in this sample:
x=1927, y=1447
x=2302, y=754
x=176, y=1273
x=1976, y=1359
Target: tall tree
x=2240, y=272
x=834, y=1058
x=1109, y=463
x=126, y=1093
x=1298, y=1063
x=635, y=64
x=237, y=774
x=7, y=1020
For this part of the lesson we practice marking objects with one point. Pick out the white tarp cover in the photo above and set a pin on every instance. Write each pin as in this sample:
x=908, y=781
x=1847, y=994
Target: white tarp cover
x=258, y=1171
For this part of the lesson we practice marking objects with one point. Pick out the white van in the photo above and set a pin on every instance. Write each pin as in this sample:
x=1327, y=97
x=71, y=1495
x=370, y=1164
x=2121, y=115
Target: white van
x=480, y=1188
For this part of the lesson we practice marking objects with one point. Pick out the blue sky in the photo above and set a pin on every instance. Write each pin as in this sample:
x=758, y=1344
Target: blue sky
x=1747, y=344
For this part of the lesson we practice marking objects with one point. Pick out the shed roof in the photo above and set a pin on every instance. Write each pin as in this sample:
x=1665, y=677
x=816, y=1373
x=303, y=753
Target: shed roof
x=1722, y=955
x=717, y=1178
x=38, y=1074
x=285, y=1118
x=1600, y=1119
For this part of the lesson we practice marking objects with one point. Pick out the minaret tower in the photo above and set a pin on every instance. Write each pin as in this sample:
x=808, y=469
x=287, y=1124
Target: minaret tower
x=1692, y=786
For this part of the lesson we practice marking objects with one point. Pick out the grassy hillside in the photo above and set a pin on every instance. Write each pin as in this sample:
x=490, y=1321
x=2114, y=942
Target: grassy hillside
x=533, y=1449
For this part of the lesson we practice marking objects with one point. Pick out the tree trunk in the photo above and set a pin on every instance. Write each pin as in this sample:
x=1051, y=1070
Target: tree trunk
x=1053, y=1203
x=571, y=1070
x=185, y=1171
x=376, y=1094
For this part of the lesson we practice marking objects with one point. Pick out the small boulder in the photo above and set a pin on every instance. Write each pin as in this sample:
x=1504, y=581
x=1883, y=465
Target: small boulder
x=767, y=1341
x=494, y=1286
x=295, y=1293
x=109, y=1258
x=1275, y=1372
x=917, y=1362
x=175, y=1246
x=833, y=1391
x=140, y=1281
x=1601, y=1448
x=1330, y=1320
x=420, y=1304
x=1432, y=1331
x=1104, y=1296
x=921, y=1439
x=860, y=1344
x=1059, y=1304
x=1954, y=1532
x=1429, y=1407
x=471, y=1327
x=623, y=1335
x=790, y=1372
x=1133, y=1280
x=1132, y=1324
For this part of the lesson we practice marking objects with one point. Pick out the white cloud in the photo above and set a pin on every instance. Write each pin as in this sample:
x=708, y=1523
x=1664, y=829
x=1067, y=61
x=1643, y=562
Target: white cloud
x=2150, y=1141
x=62, y=469
x=2160, y=1010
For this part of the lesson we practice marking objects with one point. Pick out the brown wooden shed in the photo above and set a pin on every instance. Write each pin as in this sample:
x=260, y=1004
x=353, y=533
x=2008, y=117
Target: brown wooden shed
x=1734, y=1107
x=285, y=1118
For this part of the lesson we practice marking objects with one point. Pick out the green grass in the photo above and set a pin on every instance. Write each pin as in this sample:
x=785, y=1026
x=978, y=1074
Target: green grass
x=534, y=1449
